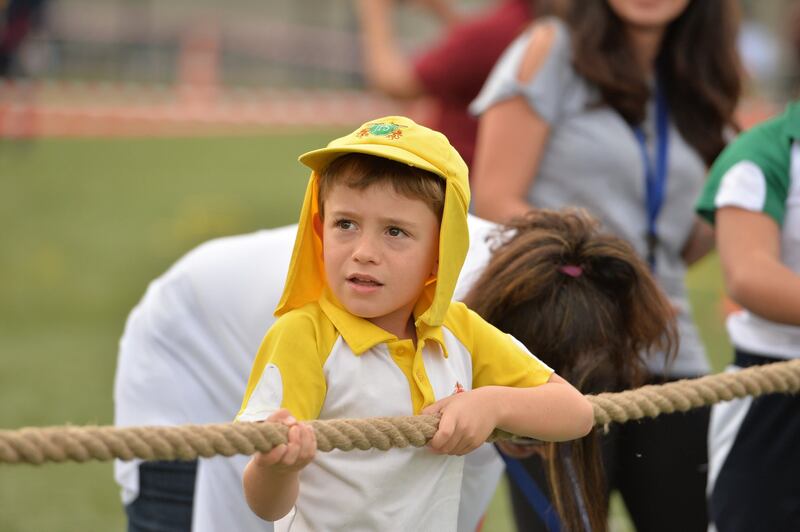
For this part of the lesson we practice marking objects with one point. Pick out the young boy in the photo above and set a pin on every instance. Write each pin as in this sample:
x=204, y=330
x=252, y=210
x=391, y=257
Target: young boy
x=367, y=328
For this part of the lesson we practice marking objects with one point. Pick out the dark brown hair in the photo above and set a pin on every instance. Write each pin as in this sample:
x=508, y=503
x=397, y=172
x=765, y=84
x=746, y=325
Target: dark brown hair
x=360, y=171
x=698, y=66
x=591, y=328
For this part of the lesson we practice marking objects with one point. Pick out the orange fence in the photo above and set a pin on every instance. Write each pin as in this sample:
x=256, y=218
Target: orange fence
x=48, y=109
x=104, y=109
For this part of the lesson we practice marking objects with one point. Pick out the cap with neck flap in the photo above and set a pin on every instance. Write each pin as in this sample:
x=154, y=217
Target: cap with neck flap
x=400, y=139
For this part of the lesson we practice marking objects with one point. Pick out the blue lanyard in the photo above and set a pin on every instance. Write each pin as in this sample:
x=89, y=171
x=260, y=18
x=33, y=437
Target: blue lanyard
x=537, y=499
x=655, y=174
x=533, y=494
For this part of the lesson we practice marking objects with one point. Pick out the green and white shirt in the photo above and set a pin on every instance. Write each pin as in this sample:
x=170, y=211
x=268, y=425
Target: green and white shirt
x=760, y=172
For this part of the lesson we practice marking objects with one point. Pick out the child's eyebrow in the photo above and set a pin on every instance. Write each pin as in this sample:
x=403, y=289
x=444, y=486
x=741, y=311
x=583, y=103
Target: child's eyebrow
x=398, y=221
x=341, y=213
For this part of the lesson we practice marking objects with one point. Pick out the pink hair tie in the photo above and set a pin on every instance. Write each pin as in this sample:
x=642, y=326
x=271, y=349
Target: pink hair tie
x=571, y=270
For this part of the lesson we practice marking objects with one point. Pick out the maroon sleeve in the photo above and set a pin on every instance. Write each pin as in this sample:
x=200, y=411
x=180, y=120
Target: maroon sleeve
x=457, y=66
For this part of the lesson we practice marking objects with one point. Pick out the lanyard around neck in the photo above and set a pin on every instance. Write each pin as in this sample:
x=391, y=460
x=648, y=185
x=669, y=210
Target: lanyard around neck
x=655, y=174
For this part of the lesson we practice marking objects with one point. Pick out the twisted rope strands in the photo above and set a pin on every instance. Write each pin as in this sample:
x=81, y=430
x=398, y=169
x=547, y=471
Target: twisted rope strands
x=683, y=395
x=187, y=442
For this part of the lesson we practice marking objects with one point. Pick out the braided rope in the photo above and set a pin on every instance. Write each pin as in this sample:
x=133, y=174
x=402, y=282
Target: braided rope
x=187, y=442
x=683, y=395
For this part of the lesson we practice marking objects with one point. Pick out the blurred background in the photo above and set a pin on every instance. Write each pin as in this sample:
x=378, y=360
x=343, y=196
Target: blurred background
x=133, y=130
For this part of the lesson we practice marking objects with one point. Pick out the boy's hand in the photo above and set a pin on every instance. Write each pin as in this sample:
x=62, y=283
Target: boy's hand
x=467, y=420
x=294, y=455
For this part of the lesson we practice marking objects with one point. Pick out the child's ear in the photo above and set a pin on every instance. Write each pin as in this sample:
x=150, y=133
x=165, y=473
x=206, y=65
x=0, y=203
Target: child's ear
x=317, y=223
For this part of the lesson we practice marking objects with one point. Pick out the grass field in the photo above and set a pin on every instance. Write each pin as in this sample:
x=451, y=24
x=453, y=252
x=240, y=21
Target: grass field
x=85, y=225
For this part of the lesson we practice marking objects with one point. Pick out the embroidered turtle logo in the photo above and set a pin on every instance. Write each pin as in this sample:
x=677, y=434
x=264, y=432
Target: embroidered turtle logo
x=382, y=129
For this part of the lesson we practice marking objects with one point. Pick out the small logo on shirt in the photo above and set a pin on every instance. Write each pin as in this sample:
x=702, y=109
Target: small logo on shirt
x=382, y=129
x=458, y=388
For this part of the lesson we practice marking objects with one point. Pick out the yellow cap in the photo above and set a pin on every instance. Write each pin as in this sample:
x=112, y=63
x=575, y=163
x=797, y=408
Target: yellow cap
x=400, y=139
x=397, y=138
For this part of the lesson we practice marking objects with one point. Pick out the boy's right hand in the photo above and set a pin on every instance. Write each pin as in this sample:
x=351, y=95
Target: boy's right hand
x=294, y=455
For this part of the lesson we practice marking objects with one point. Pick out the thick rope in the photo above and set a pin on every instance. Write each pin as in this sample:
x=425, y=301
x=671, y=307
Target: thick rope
x=187, y=442
x=683, y=395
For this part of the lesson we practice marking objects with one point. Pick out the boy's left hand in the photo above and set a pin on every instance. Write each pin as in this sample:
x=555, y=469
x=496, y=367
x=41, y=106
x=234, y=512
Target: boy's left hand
x=467, y=421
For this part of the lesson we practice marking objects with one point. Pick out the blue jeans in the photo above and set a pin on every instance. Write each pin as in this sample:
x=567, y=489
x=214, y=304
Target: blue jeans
x=166, y=497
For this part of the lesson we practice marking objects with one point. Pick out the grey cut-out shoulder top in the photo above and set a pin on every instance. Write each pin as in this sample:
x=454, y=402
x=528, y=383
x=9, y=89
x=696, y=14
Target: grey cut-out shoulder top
x=592, y=160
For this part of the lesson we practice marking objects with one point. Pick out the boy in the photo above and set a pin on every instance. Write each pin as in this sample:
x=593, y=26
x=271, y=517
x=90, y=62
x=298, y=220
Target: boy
x=753, y=198
x=367, y=328
x=198, y=328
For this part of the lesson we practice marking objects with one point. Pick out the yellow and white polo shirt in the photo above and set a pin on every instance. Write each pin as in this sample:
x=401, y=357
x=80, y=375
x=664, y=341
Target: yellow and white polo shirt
x=320, y=362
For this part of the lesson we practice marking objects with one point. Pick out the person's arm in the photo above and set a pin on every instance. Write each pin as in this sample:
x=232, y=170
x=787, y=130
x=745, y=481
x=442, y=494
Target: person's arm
x=386, y=67
x=286, y=377
x=700, y=242
x=271, y=480
x=749, y=249
x=442, y=9
x=510, y=144
x=554, y=411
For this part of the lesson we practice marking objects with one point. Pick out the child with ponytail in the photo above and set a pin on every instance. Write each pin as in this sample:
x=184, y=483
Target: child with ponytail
x=586, y=304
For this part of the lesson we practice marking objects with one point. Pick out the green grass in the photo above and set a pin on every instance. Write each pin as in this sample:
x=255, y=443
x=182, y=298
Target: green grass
x=86, y=224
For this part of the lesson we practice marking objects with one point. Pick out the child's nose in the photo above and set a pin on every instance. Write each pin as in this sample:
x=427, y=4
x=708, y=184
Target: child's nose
x=366, y=250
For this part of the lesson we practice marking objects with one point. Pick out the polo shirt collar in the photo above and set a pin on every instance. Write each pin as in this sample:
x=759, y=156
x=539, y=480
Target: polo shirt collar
x=433, y=334
x=361, y=334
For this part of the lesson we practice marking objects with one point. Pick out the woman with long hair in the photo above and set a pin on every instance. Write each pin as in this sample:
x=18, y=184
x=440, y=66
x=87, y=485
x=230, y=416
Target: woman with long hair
x=619, y=106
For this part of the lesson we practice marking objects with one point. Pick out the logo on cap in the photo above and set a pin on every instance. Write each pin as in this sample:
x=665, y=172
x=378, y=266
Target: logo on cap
x=382, y=129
